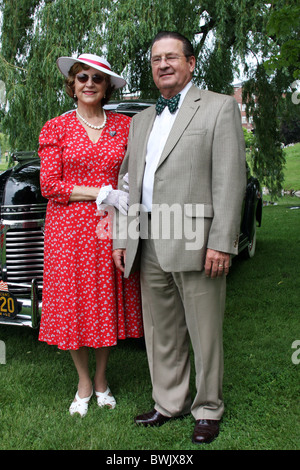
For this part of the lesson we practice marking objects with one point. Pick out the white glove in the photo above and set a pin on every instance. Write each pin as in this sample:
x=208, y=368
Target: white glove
x=125, y=178
x=113, y=197
x=119, y=199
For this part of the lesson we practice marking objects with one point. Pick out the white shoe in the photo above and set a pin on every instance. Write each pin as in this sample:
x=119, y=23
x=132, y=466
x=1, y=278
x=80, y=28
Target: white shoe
x=80, y=406
x=105, y=399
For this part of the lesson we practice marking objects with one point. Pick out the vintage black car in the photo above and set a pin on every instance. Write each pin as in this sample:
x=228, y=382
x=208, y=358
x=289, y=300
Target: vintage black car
x=23, y=210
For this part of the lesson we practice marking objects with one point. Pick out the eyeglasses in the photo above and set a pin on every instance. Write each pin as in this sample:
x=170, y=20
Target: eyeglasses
x=83, y=78
x=169, y=59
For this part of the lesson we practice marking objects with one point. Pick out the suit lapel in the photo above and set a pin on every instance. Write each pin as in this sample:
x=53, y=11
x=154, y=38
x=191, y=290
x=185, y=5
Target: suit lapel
x=186, y=112
x=144, y=130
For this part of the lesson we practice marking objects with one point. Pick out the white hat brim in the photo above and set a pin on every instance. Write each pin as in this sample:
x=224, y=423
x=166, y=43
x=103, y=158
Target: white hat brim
x=65, y=63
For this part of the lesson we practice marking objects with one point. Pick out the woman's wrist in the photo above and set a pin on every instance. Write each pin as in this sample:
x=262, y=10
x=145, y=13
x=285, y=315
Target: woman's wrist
x=84, y=193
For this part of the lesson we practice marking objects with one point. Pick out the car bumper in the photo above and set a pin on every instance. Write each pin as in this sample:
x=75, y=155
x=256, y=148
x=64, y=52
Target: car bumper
x=29, y=310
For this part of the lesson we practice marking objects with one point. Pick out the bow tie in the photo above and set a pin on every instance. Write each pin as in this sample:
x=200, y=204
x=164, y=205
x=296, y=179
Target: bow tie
x=172, y=104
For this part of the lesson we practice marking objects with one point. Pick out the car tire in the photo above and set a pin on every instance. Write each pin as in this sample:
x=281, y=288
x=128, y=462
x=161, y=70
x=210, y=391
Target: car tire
x=249, y=251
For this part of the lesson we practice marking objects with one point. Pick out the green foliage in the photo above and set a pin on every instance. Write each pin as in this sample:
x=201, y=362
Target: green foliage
x=4, y=146
x=36, y=32
x=249, y=139
x=33, y=82
x=267, y=156
x=284, y=27
x=289, y=114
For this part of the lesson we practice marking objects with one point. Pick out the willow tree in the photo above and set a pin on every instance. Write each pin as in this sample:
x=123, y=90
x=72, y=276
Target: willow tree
x=260, y=38
x=225, y=35
x=34, y=34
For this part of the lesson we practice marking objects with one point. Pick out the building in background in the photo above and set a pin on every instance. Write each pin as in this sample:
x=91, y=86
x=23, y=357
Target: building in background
x=238, y=92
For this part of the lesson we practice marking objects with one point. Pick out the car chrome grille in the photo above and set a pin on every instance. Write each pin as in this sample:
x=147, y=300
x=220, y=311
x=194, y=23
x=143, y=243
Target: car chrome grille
x=23, y=212
x=24, y=258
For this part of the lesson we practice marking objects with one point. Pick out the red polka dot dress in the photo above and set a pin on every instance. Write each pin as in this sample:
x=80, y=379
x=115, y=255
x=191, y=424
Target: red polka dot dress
x=86, y=301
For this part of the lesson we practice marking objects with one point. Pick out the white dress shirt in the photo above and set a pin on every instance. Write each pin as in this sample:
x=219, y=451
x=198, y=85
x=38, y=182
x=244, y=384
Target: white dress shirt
x=157, y=140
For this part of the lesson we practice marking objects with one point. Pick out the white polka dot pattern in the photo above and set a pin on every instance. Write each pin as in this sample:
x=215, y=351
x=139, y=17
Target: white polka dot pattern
x=86, y=301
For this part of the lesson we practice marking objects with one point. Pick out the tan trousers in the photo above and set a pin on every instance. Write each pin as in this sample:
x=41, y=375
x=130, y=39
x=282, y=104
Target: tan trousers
x=180, y=309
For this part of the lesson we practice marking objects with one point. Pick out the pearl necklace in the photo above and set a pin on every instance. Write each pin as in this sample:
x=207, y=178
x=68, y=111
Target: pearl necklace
x=91, y=125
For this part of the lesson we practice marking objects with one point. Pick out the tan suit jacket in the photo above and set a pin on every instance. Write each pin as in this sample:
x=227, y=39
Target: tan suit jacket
x=201, y=170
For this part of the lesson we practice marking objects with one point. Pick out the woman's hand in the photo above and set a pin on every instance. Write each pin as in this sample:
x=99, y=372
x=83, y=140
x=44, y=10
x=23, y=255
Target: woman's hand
x=119, y=199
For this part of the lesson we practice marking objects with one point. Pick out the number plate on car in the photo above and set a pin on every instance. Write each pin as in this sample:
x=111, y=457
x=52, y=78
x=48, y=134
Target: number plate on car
x=8, y=305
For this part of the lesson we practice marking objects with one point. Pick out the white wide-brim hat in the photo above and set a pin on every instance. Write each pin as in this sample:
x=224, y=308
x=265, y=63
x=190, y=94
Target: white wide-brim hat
x=65, y=63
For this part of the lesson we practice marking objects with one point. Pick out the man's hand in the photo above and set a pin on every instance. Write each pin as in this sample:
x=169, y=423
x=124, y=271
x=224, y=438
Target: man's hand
x=216, y=263
x=119, y=257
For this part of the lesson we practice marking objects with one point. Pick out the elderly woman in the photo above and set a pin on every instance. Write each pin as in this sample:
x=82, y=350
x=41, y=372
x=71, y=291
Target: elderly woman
x=86, y=302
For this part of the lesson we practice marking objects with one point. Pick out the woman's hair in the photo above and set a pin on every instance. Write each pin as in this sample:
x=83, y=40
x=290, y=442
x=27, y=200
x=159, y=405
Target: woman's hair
x=70, y=83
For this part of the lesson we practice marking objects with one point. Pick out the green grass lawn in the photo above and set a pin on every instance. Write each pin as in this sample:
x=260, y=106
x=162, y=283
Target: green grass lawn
x=292, y=171
x=261, y=382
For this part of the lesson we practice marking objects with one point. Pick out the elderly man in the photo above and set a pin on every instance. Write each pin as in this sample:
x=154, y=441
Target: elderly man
x=186, y=160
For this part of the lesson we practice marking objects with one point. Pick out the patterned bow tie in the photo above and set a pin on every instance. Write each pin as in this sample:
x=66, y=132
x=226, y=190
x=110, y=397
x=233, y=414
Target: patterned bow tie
x=172, y=104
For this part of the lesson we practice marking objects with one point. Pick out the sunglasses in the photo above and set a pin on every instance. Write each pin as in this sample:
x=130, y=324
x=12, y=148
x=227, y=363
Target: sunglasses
x=83, y=78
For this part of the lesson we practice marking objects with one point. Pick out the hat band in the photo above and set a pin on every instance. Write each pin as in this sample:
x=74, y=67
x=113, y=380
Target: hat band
x=94, y=62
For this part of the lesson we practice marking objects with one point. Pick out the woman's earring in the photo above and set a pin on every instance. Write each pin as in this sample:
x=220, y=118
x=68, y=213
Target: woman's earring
x=75, y=96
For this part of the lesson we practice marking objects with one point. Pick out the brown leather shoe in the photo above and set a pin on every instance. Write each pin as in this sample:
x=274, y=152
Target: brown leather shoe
x=153, y=418
x=205, y=431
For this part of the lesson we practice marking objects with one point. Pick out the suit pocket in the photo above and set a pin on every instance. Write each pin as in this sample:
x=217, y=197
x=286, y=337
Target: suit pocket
x=197, y=222
x=195, y=132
